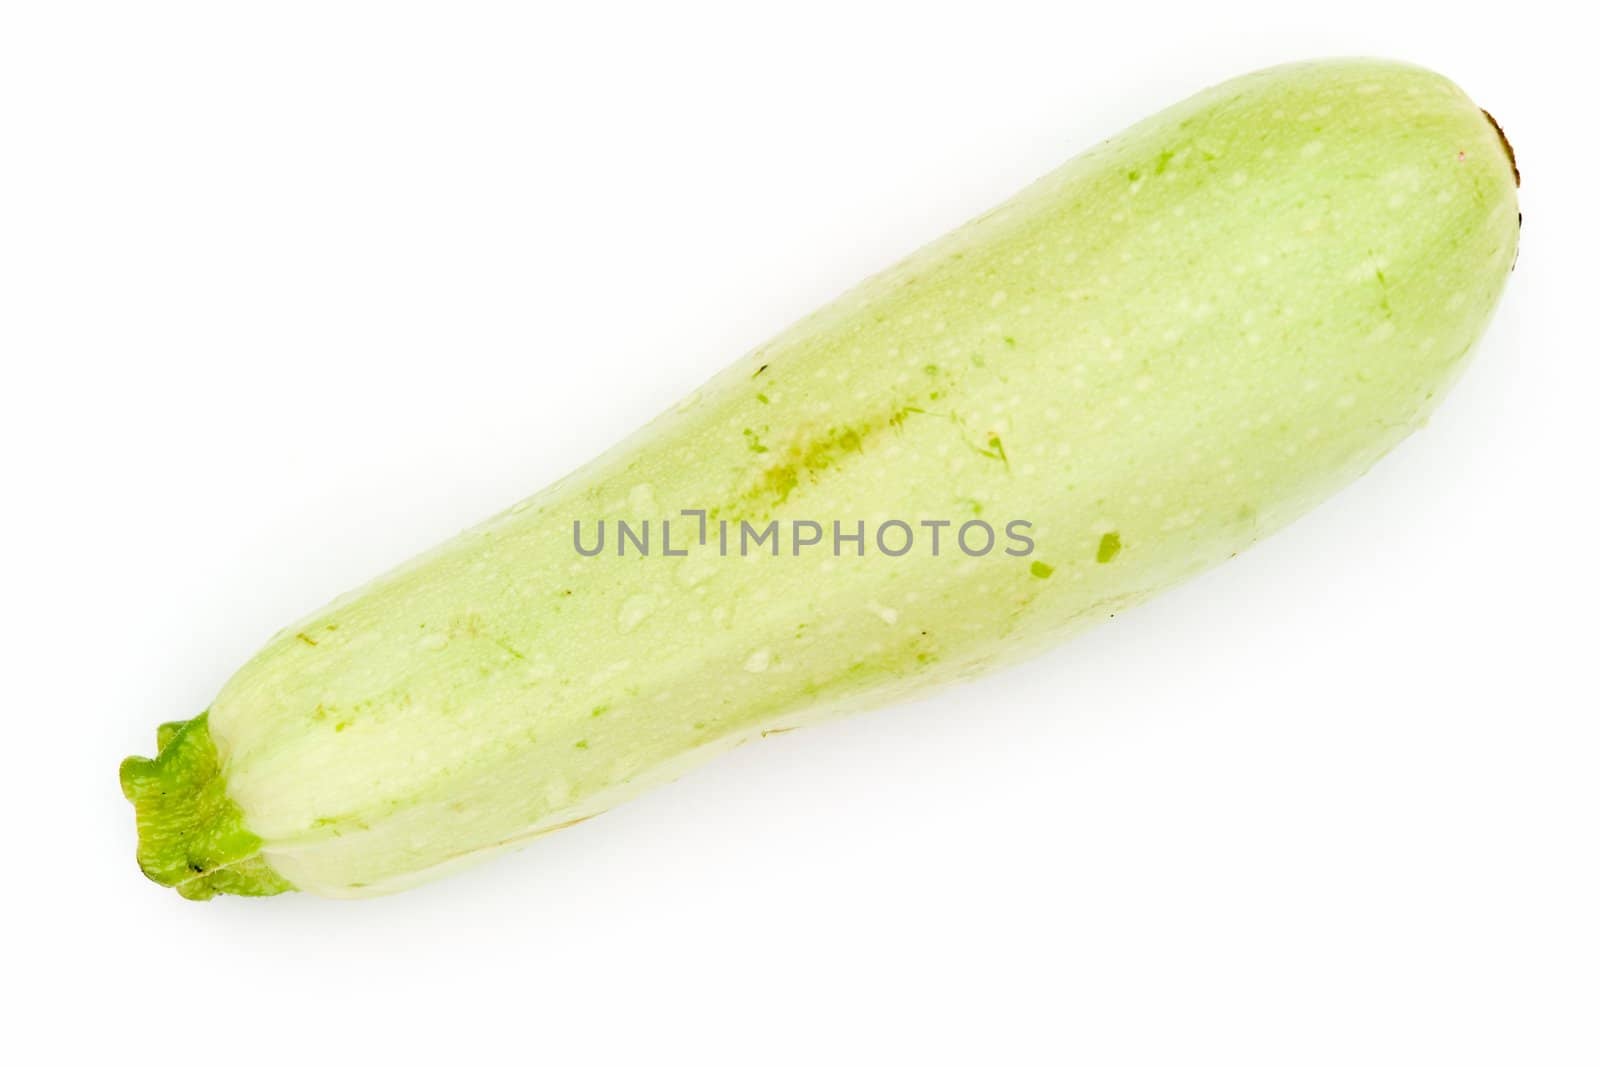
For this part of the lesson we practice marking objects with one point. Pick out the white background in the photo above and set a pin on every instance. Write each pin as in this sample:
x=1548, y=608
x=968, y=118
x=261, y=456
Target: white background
x=291, y=291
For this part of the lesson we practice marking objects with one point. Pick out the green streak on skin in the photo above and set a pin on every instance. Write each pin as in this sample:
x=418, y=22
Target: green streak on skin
x=191, y=836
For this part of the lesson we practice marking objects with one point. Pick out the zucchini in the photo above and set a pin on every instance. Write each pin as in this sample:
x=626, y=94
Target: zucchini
x=1130, y=371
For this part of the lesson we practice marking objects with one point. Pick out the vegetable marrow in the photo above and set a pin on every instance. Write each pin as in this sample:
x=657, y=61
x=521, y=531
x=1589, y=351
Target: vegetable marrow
x=1132, y=370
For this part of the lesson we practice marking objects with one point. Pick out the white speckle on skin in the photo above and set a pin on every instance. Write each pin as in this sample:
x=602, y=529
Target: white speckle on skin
x=1314, y=148
x=888, y=615
x=758, y=661
x=433, y=642
x=642, y=501
x=634, y=611
x=998, y=298
x=608, y=672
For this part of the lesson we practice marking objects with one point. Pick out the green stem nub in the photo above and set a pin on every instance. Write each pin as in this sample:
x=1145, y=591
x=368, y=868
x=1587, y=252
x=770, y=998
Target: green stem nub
x=191, y=835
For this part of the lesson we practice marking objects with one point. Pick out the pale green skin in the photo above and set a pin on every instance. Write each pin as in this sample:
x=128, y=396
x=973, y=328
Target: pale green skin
x=1185, y=337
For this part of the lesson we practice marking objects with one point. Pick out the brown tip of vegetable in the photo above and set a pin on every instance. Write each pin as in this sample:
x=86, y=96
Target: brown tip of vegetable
x=1511, y=156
